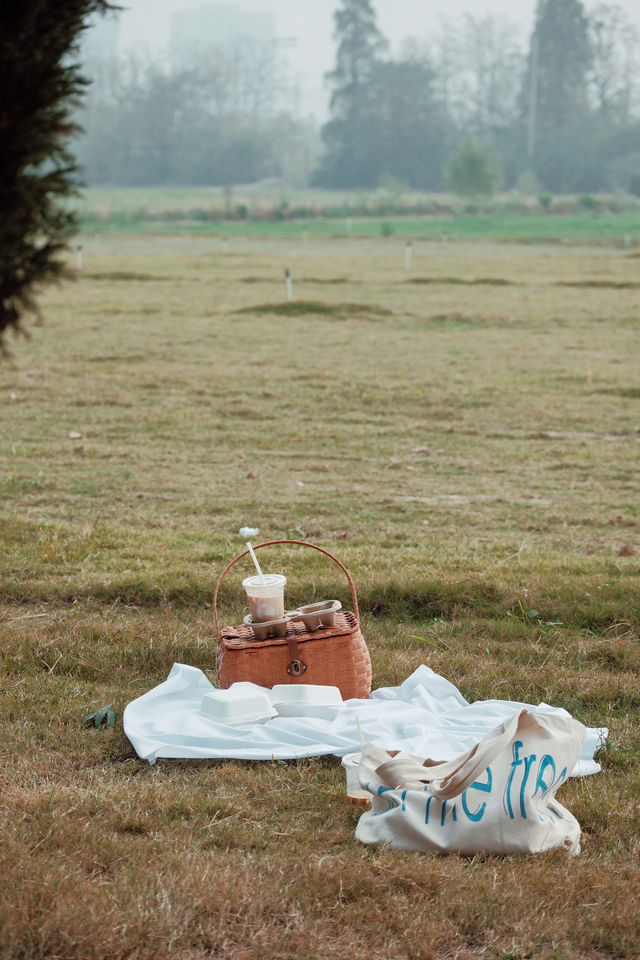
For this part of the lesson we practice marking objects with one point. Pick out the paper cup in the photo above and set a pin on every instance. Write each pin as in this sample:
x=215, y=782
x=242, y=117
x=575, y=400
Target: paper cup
x=266, y=596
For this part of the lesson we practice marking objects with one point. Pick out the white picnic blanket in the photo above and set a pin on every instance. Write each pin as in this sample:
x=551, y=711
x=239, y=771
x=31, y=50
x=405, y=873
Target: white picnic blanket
x=425, y=716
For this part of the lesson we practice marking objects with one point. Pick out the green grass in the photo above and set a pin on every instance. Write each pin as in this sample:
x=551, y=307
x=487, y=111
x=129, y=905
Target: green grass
x=272, y=212
x=464, y=436
x=540, y=228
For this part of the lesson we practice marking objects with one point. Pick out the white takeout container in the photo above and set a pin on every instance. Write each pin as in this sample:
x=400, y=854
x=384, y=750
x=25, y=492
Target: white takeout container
x=355, y=793
x=306, y=700
x=242, y=703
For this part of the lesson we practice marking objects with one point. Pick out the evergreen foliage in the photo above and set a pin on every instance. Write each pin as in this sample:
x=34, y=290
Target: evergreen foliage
x=410, y=135
x=360, y=47
x=555, y=96
x=347, y=136
x=41, y=85
x=564, y=60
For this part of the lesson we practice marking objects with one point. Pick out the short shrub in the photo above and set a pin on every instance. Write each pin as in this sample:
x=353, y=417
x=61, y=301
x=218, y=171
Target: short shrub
x=587, y=202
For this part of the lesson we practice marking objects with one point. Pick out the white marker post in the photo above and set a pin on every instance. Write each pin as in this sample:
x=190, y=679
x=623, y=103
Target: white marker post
x=348, y=224
x=289, y=283
x=627, y=241
x=225, y=244
x=408, y=255
x=79, y=256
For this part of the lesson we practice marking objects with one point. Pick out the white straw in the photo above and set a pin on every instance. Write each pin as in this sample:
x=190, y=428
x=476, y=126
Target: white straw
x=255, y=559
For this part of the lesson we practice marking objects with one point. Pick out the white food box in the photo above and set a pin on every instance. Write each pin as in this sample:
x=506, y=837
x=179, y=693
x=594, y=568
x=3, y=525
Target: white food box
x=241, y=703
x=306, y=700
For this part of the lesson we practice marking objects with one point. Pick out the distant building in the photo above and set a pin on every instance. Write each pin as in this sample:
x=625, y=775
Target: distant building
x=212, y=24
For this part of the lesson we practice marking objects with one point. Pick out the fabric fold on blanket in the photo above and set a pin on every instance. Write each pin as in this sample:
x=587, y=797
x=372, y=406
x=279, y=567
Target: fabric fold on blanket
x=425, y=716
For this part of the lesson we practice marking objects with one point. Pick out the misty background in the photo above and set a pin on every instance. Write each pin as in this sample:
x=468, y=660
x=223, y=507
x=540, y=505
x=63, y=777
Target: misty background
x=185, y=92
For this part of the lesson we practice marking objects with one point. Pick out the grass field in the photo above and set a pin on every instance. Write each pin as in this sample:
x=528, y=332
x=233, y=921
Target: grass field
x=611, y=221
x=463, y=435
x=603, y=229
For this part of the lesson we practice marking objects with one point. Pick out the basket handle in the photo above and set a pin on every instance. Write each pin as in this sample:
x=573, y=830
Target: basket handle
x=269, y=543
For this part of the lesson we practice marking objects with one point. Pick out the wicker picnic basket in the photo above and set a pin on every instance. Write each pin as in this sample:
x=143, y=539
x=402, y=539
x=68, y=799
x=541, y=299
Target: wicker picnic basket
x=333, y=656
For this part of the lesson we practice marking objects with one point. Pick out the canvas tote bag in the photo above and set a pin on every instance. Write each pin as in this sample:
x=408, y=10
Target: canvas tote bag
x=498, y=798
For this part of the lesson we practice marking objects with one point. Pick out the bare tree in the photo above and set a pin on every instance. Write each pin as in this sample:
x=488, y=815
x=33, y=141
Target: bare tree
x=475, y=61
x=491, y=58
x=614, y=82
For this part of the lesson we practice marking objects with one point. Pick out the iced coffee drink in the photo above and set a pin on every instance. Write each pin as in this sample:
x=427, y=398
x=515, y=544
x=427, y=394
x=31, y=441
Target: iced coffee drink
x=265, y=594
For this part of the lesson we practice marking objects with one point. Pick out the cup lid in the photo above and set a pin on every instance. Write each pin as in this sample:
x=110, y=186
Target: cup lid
x=351, y=759
x=266, y=580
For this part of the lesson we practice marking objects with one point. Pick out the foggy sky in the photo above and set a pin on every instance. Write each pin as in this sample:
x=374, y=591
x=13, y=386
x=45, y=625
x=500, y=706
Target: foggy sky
x=146, y=22
x=144, y=25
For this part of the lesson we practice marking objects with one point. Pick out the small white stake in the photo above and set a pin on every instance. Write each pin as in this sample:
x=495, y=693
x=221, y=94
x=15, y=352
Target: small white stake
x=348, y=224
x=289, y=283
x=408, y=254
x=627, y=241
x=79, y=256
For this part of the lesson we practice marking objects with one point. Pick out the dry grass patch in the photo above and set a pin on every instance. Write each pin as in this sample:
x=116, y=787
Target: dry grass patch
x=472, y=459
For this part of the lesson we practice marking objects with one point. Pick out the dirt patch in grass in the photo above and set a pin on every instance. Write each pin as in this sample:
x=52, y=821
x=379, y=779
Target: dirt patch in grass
x=125, y=275
x=329, y=281
x=116, y=358
x=326, y=280
x=339, y=311
x=629, y=393
x=601, y=284
x=464, y=281
x=460, y=319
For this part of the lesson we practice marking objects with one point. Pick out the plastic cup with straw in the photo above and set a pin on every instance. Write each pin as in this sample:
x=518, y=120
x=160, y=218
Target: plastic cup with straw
x=351, y=762
x=255, y=560
x=265, y=593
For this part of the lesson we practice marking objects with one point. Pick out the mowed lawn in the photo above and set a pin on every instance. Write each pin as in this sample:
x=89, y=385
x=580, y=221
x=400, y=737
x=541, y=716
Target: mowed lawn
x=464, y=434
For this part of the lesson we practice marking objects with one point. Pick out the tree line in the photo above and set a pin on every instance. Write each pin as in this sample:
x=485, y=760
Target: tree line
x=215, y=117
x=470, y=105
x=470, y=108
x=463, y=108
